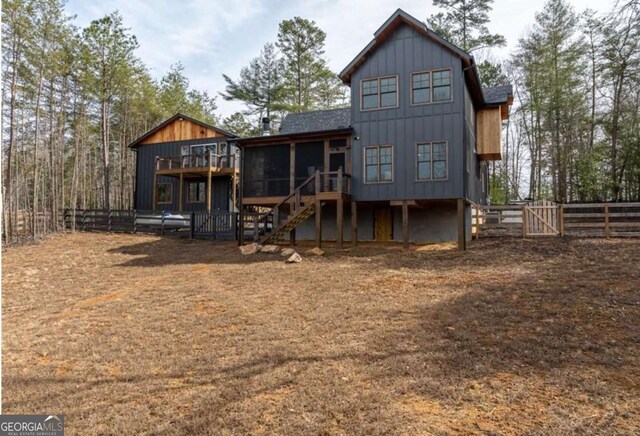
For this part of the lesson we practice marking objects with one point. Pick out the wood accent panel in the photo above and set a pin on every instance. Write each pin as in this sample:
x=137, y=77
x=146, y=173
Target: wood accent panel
x=383, y=224
x=489, y=131
x=183, y=130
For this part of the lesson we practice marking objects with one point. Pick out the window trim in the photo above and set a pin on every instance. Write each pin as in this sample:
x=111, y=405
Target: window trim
x=364, y=164
x=198, y=201
x=379, y=107
x=446, y=149
x=435, y=70
x=170, y=193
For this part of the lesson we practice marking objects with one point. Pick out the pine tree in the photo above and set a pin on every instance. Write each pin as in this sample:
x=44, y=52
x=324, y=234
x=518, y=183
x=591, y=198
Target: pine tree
x=260, y=85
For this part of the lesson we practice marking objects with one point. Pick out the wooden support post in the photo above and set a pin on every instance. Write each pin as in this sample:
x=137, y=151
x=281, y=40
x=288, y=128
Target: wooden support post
x=234, y=198
x=318, y=210
x=339, y=181
x=292, y=238
x=292, y=167
x=192, y=225
x=405, y=224
x=318, y=223
x=256, y=229
x=462, y=240
x=181, y=188
x=209, y=190
x=339, y=221
x=607, y=230
x=477, y=222
x=354, y=224
x=524, y=221
x=561, y=218
x=154, y=191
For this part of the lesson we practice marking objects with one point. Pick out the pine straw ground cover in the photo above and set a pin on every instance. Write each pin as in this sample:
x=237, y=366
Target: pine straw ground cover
x=140, y=334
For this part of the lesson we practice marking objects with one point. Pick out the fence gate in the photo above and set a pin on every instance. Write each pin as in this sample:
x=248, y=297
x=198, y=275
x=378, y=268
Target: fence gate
x=540, y=218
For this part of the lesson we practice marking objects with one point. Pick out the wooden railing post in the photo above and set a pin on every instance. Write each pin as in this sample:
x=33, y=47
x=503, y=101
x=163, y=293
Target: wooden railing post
x=339, y=187
x=317, y=182
x=561, y=219
x=524, y=221
x=607, y=230
x=84, y=219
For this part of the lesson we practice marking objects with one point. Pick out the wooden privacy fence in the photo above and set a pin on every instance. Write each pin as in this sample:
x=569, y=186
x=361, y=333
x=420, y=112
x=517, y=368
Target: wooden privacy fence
x=218, y=225
x=545, y=218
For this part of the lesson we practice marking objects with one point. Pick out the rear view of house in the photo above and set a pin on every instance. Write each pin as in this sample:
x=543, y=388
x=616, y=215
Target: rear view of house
x=403, y=163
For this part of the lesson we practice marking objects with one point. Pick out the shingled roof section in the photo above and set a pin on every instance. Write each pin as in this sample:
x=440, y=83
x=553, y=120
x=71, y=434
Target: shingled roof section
x=497, y=94
x=316, y=121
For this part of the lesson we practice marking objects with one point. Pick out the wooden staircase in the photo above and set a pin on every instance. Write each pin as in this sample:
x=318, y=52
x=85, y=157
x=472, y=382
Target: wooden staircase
x=302, y=203
x=290, y=212
x=289, y=224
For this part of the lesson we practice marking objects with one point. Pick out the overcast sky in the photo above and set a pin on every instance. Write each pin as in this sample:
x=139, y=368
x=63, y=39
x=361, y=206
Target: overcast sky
x=212, y=37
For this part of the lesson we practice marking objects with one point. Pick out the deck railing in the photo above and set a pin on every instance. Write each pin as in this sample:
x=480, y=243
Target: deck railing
x=196, y=161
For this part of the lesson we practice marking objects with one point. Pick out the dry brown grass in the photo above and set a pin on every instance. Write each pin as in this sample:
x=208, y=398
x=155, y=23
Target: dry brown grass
x=138, y=334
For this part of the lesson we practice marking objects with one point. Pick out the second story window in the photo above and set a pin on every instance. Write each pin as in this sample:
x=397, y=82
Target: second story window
x=379, y=93
x=431, y=86
x=432, y=161
x=378, y=164
x=442, y=85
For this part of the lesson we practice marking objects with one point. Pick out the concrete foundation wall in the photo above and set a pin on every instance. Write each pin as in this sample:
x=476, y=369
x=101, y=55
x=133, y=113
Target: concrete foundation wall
x=433, y=224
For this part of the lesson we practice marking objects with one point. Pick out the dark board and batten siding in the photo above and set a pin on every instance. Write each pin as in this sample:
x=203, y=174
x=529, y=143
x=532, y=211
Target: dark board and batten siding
x=145, y=169
x=406, y=52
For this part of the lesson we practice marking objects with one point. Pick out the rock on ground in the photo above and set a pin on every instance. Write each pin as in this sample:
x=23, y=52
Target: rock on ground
x=286, y=252
x=252, y=248
x=294, y=258
x=270, y=249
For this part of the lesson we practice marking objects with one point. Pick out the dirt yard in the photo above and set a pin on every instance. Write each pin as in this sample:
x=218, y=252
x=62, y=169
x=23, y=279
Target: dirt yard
x=139, y=334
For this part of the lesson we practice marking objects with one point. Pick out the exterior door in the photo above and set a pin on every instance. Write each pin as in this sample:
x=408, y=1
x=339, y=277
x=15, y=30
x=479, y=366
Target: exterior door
x=337, y=160
x=383, y=224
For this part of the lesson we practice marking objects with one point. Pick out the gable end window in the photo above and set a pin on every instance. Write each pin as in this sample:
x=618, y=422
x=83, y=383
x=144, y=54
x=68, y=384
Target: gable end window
x=432, y=161
x=378, y=164
x=379, y=93
x=164, y=193
x=430, y=86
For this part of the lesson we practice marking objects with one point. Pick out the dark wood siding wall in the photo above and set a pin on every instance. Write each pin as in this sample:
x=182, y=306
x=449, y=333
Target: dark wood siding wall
x=406, y=52
x=145, y=168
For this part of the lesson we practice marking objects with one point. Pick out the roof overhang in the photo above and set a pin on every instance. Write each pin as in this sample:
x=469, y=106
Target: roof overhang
x=177, y=116
x=286, y=138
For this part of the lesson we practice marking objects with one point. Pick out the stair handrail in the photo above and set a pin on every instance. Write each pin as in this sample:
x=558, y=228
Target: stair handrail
x=296, y=194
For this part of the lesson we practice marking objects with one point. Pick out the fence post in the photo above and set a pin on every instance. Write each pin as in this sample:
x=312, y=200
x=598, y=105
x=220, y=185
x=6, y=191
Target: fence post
x=135, y=220
x=524, y=221
x=109, y=220
x=84, y=220
x=607, y=231
x=561, y=219
x=214, y=225
x=162, y=224
x=192, y=225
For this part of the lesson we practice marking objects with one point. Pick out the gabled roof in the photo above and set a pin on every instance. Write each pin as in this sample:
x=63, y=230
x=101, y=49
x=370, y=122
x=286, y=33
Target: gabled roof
x=497, y=95
x=386, y=30
x=316, y=121
x=165, y=123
